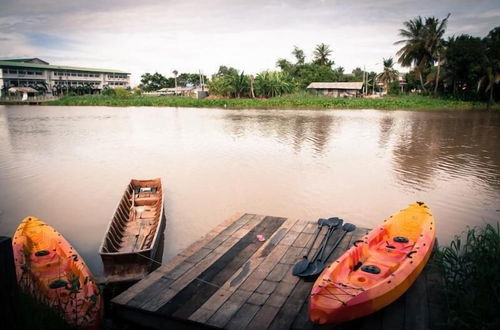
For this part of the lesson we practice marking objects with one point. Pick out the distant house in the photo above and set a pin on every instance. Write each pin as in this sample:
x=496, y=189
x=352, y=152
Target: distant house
x=336, y=89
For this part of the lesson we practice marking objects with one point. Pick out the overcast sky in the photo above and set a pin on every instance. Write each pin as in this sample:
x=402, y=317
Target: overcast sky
x=140, y=36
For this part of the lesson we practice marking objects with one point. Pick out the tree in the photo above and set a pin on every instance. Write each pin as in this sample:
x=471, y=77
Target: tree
x=389, y=74
x=413, y=51
x=422, y=45
x=240, y=83
x=229, y=82
x=153, y=82
x=225, y=71
x=358, y=73
x=491, y=77
x=434, y=31
x=273, y=83
x=175, y=72
x=299, y=55
x=321, y=54
x=465, y=61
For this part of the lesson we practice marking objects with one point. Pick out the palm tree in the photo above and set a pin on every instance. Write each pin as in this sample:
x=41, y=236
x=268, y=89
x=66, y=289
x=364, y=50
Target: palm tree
x=389, y=74
x=434, y=42
x=240, y=84
x=413, y=51
x=423, y=45
x=489, y=80
x=175, y=72
x=321, y=54
x=299, y=55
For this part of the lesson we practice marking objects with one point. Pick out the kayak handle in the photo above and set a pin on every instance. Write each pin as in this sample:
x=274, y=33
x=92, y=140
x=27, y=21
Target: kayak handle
x=410, y=253
x=358, y=241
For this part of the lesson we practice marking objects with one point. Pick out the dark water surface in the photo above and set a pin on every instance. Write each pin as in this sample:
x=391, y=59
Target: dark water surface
x=69, y=166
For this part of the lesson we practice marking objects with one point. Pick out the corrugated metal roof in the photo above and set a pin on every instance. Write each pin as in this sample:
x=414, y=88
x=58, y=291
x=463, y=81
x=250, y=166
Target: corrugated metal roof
x=12, y=64
x=336, y=85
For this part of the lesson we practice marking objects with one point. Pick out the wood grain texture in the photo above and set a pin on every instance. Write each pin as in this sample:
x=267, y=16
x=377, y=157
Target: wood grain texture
x=230, y=280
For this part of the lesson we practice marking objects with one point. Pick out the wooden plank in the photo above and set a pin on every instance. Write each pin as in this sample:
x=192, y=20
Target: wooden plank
x=228, y=309
x=153, y=299
x=223, y=273
x=436, y=296
x=295, y=313
x=416, y=309
x=265, y=316
x=237, y=220
x=242, y=317
x=394, y=315
x=269, y=251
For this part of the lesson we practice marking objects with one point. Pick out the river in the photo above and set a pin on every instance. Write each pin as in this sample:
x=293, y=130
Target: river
x=69, y=166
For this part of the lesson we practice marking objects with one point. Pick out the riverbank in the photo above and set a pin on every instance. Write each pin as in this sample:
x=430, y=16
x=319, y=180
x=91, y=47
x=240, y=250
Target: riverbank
x=294, y=101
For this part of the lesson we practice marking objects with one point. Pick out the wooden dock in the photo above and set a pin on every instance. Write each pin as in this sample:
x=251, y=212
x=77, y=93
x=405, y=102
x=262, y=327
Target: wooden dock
x=231, y=280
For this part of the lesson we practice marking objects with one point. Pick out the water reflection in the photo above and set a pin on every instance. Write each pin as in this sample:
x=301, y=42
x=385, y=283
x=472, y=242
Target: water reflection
x=69, y=166
x=287, y=127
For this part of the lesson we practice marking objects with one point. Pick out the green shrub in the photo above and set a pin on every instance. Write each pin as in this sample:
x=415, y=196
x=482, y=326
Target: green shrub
x=471, y=272
x=122, y=92
x=108, y=92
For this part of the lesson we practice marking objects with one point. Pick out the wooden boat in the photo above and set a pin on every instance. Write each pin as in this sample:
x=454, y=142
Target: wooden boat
x=130, y=245
x=377, y=270
x=50, y=269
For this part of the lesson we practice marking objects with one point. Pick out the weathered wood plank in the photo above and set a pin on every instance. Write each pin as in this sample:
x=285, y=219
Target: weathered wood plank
x=242, y=317
x=416, y=309
x=153, y=299
x=394, y=315
x=236, y=220
x=225, y=273
x=270, y=251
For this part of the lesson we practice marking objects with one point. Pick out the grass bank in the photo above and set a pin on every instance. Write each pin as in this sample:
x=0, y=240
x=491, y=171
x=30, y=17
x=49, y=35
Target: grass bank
x=294, y=101
x=471, y=272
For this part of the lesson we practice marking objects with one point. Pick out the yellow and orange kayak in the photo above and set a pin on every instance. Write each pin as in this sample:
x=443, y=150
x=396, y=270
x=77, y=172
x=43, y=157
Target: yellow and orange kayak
x=375, y=271
x=50, y=269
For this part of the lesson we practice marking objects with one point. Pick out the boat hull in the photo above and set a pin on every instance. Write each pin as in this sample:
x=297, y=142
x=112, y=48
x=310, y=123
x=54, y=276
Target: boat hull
x=51, y=270
x=132, y=247
x=377, y=270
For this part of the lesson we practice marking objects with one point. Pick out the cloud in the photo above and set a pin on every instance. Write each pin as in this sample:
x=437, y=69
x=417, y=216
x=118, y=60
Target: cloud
x=146, y=35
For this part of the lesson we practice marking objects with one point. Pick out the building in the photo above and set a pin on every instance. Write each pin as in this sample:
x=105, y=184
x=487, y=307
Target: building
x=336, y=89
x=56, y=79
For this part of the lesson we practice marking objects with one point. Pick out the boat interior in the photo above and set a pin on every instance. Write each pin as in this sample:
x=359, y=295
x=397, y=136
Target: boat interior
x=136, y=219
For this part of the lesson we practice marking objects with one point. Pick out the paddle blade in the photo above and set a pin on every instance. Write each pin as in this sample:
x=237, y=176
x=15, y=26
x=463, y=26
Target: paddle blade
x=313, y=269
x=348, y=227
x=300, y=267
x=335, y=222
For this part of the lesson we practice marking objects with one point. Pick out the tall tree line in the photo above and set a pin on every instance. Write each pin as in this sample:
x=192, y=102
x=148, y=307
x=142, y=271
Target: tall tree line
x=465, y=66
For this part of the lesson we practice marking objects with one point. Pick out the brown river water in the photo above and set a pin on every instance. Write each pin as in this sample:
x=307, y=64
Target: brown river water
x=69, y=166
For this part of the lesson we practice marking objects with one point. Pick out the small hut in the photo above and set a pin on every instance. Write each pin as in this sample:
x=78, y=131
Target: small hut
x=336, y=89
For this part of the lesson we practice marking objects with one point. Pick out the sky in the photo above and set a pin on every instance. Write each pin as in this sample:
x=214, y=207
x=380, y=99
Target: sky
x=140, y=36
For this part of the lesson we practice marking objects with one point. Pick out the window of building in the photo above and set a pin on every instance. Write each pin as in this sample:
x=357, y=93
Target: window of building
x=30, y=73
x=38, y=73
x=80, y=75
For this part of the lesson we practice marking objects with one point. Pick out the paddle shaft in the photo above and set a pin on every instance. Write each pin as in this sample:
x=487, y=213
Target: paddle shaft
x=336, y=244
x=319, y=254
x=314, y=241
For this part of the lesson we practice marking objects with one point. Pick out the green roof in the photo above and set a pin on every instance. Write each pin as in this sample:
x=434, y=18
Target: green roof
x=20, y=59
x=16, y=63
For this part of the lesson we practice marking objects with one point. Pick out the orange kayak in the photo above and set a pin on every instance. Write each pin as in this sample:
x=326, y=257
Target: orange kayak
x=375, y=271
x=50, y=269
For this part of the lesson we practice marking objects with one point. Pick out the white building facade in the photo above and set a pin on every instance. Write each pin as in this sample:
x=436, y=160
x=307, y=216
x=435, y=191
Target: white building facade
x=58, y=80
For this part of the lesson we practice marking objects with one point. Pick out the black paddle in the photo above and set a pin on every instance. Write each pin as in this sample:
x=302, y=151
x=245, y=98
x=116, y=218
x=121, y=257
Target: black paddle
x=320, y=266
x=302, y=265
x=332, y=223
